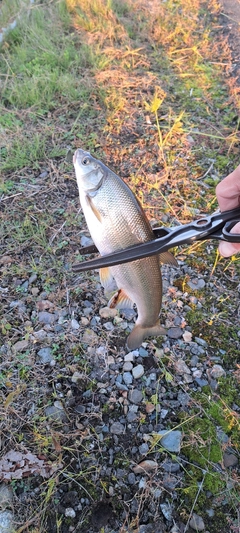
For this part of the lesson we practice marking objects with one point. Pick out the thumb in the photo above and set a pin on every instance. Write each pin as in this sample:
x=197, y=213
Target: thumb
x=226, y=249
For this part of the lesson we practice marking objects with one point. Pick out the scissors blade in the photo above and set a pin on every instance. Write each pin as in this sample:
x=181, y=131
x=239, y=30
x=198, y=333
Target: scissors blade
x=201, y=229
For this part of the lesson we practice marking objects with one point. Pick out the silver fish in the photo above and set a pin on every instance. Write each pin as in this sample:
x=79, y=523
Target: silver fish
x=116, y=220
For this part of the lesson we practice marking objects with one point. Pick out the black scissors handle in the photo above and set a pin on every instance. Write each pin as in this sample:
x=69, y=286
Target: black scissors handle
x=216, y=226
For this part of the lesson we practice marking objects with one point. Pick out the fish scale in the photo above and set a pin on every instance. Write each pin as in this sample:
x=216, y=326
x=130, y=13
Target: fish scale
x=116, y=221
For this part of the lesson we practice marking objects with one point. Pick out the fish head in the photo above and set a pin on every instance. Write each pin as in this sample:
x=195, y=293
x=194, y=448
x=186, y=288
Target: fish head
x=89, y=171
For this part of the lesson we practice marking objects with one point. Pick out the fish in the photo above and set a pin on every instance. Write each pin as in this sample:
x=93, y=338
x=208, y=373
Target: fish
x=116, y=220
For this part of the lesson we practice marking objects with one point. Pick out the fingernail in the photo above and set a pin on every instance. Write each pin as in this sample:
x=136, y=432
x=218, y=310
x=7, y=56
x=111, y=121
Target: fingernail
x=226, y=249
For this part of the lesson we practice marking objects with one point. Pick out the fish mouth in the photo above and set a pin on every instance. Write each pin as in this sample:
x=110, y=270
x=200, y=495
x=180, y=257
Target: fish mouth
x=75, y=157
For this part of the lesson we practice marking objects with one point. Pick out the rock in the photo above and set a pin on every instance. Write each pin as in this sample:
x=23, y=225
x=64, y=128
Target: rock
x=222, y=437
x=32, y=278
x=130, y=357
x=201, y=382
x=174, y=333
x=20, y=346
x=76, y=377
x=145, y=466
x=135, y=396
x=150, y=407
x=187, y=336
x=143, y=449
x=46, y=318
x=6, y=522
x=127, y=367
x=197, y=523
x=166, y=511
x=169, y=482
x=45, y=355
x=107, y=312
x=90, y=337
x=117, y=428
x=40, y=335
x=217, y=371
x=6, y=496
x=69, y=512
x=42, y=305
x=181, y=367
x=127, y=378
x=196, y=283
x=171, y=440
x=75, y=324
x=55, y=412
x=108, y=326
x=229, y=459
x=170, y=466
x=201, y=341
x=138, y=371
x=131, y=478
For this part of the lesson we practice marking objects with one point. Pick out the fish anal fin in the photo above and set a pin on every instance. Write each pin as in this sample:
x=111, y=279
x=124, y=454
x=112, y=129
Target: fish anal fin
x=120, y=300
x=106, y=277
x=168, y=258
x=139, y=333
x=93, y=208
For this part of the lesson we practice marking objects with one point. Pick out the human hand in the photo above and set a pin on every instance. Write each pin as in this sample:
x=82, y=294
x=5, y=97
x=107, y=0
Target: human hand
x=228, y=196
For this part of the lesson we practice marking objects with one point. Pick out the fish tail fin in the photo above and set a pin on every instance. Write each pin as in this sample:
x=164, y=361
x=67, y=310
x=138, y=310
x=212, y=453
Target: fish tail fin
x=139, y=333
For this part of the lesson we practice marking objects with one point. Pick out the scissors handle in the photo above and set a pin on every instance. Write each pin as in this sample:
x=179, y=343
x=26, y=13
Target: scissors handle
x=216, y=226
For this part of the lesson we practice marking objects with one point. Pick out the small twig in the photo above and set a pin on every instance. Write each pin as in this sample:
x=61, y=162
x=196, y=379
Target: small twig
x=195, y=501
x=207, y=172
x=55, y=234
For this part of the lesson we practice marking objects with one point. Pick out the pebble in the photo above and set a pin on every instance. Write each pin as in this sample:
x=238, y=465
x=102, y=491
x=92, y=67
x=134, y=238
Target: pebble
x=90, y=337
x=45, y=355
x=127, y=378
x=201, y=341
x=197, y=522
x=75, y=324
x=131, y=478
x=46, y=318
x=143, y=449
x=181, y=367
x=56, y=413
x=20, y=346
x=196, y=283
x=40, y=335
x=174, y=333
x=166, y=511
x=108, y=326
x=69, y=512
x=217, y=371
x=171, y=440
x=6, y=496
x=170, y=466
x=145, y=466
x=201, y=382
x=138, y=371
x=135, y=396
x=129, y=357
x=229, y=459
x=107, y=312
x=6, y=522
x=127, y=367
x=117, y=428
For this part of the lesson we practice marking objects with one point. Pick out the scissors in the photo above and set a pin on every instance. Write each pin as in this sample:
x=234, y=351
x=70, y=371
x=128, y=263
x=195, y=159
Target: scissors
x=216, y=226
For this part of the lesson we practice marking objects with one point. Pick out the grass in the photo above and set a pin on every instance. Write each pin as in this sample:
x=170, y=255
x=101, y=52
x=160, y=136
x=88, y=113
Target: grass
x=147, y=90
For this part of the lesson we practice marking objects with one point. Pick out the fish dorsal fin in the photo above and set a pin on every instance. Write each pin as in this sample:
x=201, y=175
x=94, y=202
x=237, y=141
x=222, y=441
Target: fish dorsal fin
x=120, y=300
x=168, y=258
x=93, y=208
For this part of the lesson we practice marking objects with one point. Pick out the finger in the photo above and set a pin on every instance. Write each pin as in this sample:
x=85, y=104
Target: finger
x=228, y=191
x=226, y=249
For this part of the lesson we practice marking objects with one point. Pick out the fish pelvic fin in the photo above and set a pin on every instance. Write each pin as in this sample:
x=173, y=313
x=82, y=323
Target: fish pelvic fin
x=139, y=333
x=106, y=278
x=93, y=208
x=120, y=300
x=167, y=257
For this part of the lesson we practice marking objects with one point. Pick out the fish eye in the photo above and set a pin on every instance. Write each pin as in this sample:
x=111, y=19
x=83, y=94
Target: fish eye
x=85, y=161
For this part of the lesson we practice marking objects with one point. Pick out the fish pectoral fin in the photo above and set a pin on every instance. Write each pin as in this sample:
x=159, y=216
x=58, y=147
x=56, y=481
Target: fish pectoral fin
x=120, y=300
x=106, y=278
x=93, y=208
x=139, y=333
x=168, y=258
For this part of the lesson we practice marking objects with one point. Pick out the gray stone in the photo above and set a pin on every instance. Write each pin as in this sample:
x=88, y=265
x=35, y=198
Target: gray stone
x=6, y=496
x=131, y=416
x=174, y=333
x=40, y=335
x=32, y=278
x=6, y=522
x=69, y=512
x=90, y=337
x=45, y=355
x=75, y=324
x=143, y=449
x=201, y=382
x=130, y=357
x=20, y=346
x=181, y=367
x=108, y=326
x=127, y=367
x=222, y=437
x=197, y=523
x=171, y=440
x=170, y=466
x=217, y=371
x=169, y=482
x=143, y=352
x=127, y=378
x=46, y=318
x=196, y=283
x=138, y=371
x=201, y=341
x=117, y=428
x=56, y=413
x=131, y=478
x=166, y=511
x=135, y=396
x=229, y=459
